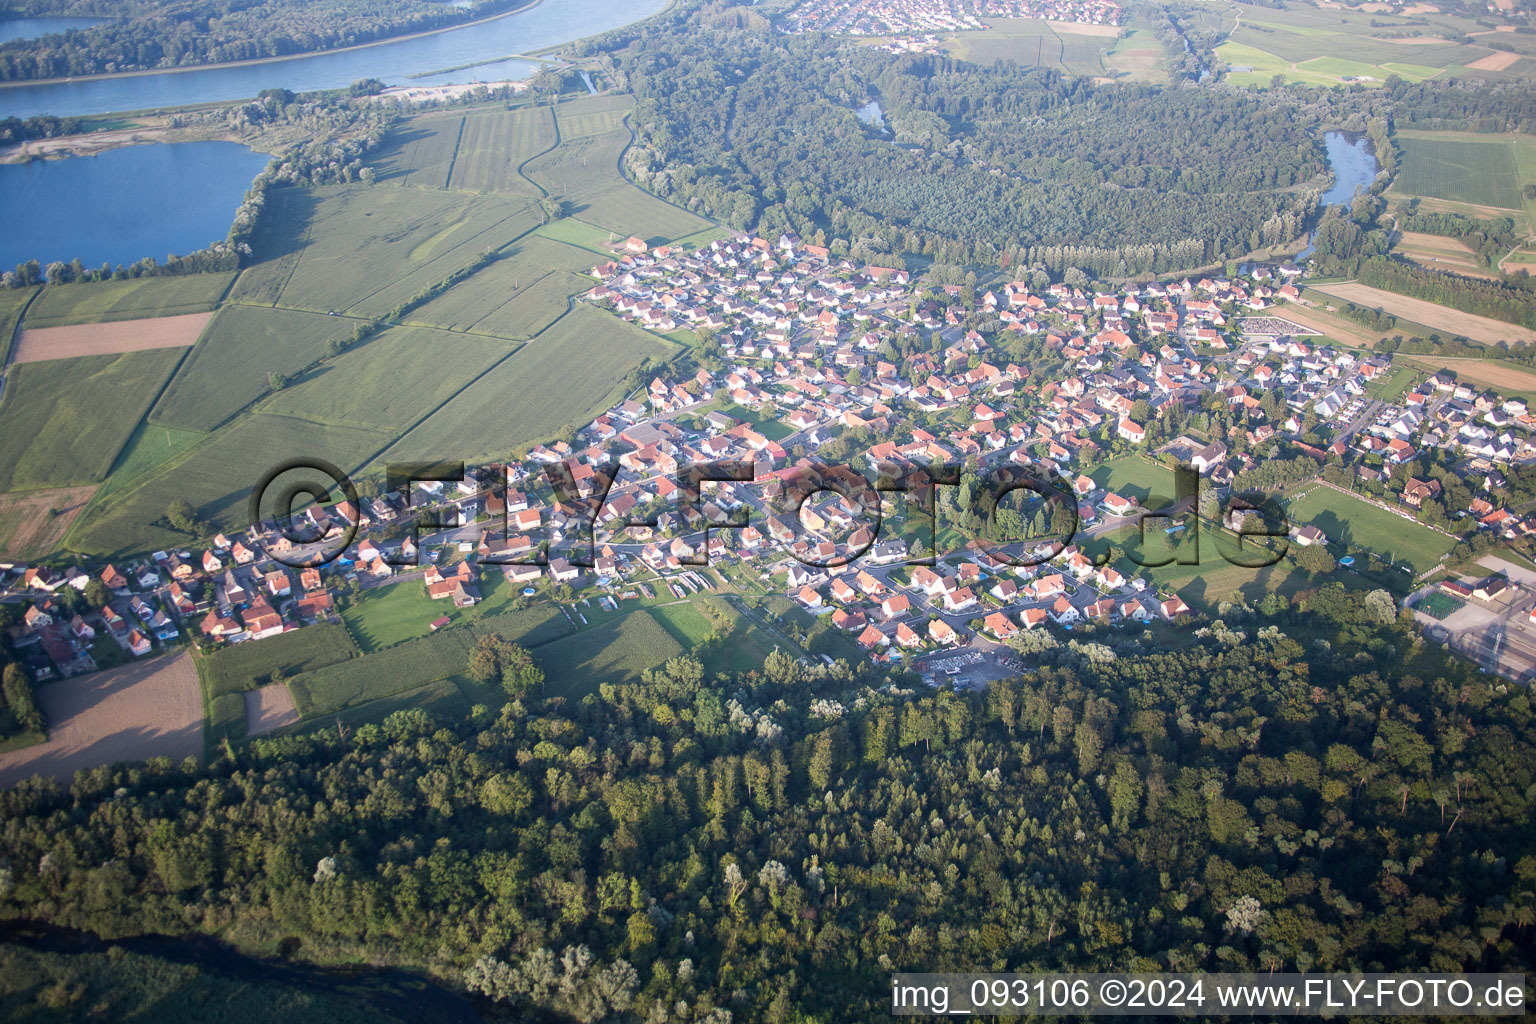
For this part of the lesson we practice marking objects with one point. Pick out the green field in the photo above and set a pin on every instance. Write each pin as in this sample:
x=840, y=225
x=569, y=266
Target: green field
x=228, y=368
x=477, y=151
x=1438, y=604
x=412, y=238
x=65, y=420
x=384, y=616
x=420, y=152
x=627, y=210
x=574, y=233
x=390, y=381
x=137, y=299
x=215, y=477
x=12, y=302
x=1134, y=477
x=151, y=446
x=1138, y=54
x=237, y=667
x=511, y=298
x=1355, y=527
x=562, y=377
x=390, y=671
x=1459, y=170
x=612, y=652
x=578, y=167
x=592, y=115
x=1031, y=42
x=493, y=145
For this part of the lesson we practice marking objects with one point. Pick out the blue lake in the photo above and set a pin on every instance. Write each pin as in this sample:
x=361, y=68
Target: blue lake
x=124, y=204
x=549, y=24
x=36, y=28
x=1354, y=167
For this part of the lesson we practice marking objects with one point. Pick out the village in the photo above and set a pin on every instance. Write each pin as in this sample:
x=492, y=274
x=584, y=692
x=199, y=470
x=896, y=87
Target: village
x=808, y=373
x=899, y=17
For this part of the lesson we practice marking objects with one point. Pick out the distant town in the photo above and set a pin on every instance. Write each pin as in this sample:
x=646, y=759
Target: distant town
x=899, y=17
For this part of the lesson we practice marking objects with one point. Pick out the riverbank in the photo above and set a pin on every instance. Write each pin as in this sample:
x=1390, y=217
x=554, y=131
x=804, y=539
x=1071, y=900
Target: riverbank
x=63, y=147
x=263, y=61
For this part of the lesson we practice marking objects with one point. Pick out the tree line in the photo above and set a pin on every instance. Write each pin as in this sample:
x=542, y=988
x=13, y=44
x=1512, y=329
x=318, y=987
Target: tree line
x=147, y=34
x=1304, y=785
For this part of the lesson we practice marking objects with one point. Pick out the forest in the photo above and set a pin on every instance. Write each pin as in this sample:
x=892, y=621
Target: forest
x=145, y=34
x=1301, y=786
x=997, y=166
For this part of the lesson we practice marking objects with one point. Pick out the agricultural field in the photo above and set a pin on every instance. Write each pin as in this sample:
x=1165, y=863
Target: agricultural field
x=394, y=670
x=579, y=167
x=511, y=298
x=215, y=477
x=1480, y=173
x=1354, y=526
x=228, y=369
x=1508, y=379
x=1431, y=315
x=413, y=239
x=150, y=708
x=592, y=115
x=420, y=152
x=38, y=344
x=493, y=145
x=88, y=303
x=1336, y=46
x=577, y=234
x=151, y=446
x=476, y=151
x=240, y=667
x=1031, y=42
x=268, y=709
x=562, y=377
x=617, y=651
x=65, y=420
x=391, y=381
x=1138, y=55
x=1438, y=252
x=33, y=523
x=12, y=302
x=626, y=209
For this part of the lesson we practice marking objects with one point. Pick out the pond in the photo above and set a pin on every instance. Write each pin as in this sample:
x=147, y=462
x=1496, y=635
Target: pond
x=35, y=28
x=124, y=204
x=1354, y=166
x=549, y=24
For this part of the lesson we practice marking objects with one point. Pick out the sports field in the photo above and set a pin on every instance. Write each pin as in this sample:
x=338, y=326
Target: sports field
x=65, y=420
x=1354, y=526
x=110, y=338
x=561, y=378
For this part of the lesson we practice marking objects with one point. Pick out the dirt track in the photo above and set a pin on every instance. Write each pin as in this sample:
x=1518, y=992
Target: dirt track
x=147, y=709
x=39, y=343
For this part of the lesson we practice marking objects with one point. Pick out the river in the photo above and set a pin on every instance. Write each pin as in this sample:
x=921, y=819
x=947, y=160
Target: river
x=551, y=23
